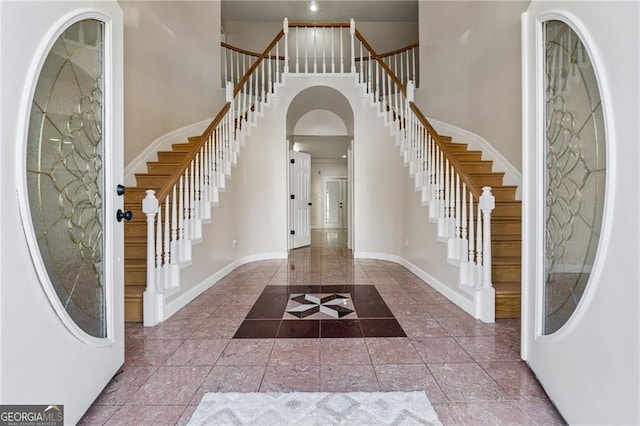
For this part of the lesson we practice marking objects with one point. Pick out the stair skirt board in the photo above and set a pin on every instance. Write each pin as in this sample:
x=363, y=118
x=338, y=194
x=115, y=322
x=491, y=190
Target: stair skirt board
x=452, y=294
x=184, y=298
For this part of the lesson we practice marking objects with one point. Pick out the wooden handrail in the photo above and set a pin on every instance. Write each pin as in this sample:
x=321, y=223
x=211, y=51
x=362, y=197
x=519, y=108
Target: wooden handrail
x=244, y=52
x=179, y=171
x=464, y=176
x=384, y=66
x=400, y=50
x=257, y=62
x=319, y=24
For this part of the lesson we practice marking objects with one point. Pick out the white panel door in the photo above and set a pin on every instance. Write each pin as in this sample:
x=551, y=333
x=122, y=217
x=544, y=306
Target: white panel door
x=335, y=202
x=62, y=277
x=301, y=195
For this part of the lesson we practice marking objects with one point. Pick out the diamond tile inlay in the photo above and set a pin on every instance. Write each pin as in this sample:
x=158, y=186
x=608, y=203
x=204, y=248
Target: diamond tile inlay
x=334, y=305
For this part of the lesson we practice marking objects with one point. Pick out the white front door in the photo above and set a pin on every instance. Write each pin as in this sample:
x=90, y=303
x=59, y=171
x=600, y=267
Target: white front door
x=580, y=294
x=301, y=199
x=62, y=301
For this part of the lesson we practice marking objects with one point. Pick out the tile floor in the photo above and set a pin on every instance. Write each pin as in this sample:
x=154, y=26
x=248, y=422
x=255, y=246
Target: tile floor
x=401, y=335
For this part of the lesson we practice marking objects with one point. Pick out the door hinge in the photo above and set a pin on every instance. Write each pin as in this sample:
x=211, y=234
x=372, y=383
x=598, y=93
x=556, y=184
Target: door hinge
x=293, y=196
x=293, y=232
x=293, y=161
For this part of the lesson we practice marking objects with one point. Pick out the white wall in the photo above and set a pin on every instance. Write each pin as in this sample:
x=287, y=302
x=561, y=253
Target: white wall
x=172, y=68
x=591, y=367
x=470, y=69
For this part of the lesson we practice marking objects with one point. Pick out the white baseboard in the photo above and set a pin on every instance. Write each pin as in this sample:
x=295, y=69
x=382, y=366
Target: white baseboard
x=458, y=298
x=512, y=175
x=163, y=143
x=185, y=298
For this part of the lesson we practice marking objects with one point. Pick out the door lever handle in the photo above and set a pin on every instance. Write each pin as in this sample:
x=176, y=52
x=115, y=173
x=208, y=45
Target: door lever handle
x=124, y=215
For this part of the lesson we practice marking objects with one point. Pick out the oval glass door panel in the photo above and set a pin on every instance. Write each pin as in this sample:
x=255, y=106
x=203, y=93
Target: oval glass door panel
x=575, y=172
x=65, y=179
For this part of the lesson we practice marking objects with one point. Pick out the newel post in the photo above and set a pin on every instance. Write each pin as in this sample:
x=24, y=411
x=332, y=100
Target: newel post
x=352, y=30
x=285, y=28
x=152, y=299
x=485, y=294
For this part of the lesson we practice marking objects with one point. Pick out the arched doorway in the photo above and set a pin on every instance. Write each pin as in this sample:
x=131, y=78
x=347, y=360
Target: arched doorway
x=320, y=140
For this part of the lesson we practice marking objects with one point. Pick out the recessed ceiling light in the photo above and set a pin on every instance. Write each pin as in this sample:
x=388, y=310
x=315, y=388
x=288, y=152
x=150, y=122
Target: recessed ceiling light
x=313, y=7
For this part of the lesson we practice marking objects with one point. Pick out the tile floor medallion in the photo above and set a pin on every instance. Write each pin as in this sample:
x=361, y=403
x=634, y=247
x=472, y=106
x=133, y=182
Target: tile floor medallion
x=313, y=311
x=322, y=321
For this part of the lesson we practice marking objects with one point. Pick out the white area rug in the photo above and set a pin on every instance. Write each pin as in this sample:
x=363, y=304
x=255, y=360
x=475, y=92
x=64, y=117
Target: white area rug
x=315, y=408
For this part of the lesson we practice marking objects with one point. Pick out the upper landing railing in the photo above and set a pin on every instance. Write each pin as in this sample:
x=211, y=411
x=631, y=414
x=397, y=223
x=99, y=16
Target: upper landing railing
x=176, y=211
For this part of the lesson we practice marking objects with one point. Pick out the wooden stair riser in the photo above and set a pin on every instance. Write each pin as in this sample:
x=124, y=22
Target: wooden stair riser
x=135, y=277
x=135, y=251
x=171, y=156
x=161, y=168
x=506, y=273
x=478, y=166
x=506, y=248
x=468, y=155
x=456, y=147
x=148, y=181
x=500, y=227
x=505, y=209
x=504, y=193
x=488, y=179
x=508, y=305
x=182, y=147
x=135, y=230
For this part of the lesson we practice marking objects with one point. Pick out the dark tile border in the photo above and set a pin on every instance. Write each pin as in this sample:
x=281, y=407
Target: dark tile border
x=265, y=319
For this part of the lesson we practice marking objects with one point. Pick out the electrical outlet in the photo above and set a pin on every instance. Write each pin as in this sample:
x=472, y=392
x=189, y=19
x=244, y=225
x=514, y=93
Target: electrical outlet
x=234, y=243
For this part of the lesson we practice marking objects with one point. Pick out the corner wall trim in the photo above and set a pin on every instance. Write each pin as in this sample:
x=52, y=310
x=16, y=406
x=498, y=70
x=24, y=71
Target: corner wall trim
x=462, y=302
x=183, y=299
x=163, y=143
x=512, y=175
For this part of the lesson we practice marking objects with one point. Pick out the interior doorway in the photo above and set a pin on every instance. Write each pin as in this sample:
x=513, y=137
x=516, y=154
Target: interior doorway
x=335, y=202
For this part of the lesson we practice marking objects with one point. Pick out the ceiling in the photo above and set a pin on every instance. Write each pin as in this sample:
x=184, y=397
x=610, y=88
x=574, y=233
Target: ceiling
x=328, y=10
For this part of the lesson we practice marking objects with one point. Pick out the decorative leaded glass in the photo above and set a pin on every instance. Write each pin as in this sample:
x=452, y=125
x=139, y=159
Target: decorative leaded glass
x=65, y=177
x=575, y=172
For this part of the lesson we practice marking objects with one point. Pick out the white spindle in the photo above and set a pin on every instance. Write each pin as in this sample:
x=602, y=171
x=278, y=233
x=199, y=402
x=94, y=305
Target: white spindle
x=463, y=223
x=297, y=49
x=315, y=48
x=167, y=234
x=341, y=53
x=324, y=49
x=286, y=44
x=333, y=59
x=174, y=227
x=472, y=245
x=306, y=50
x=352, y=28
x=479, y=248
x=158, y=268
x=187, y=206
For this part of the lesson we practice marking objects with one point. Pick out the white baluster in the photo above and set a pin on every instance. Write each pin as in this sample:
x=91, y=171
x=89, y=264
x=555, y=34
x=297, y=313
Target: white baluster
x=158, y=269
x=479, y=249
x=315, y=48
x=167, y=240
x=297, y=49
x=286, y=45
x=306, y=50
x=174, y=228
x=464, y=243
x=333, y=58
x=341, y=53
x=352, y=30
x=181, y=220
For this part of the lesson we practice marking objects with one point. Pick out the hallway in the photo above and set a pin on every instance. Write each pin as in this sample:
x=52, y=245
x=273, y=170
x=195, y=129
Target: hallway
x=323, y=321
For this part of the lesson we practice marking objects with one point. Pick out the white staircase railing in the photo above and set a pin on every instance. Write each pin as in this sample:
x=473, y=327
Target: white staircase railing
x=176, y=213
